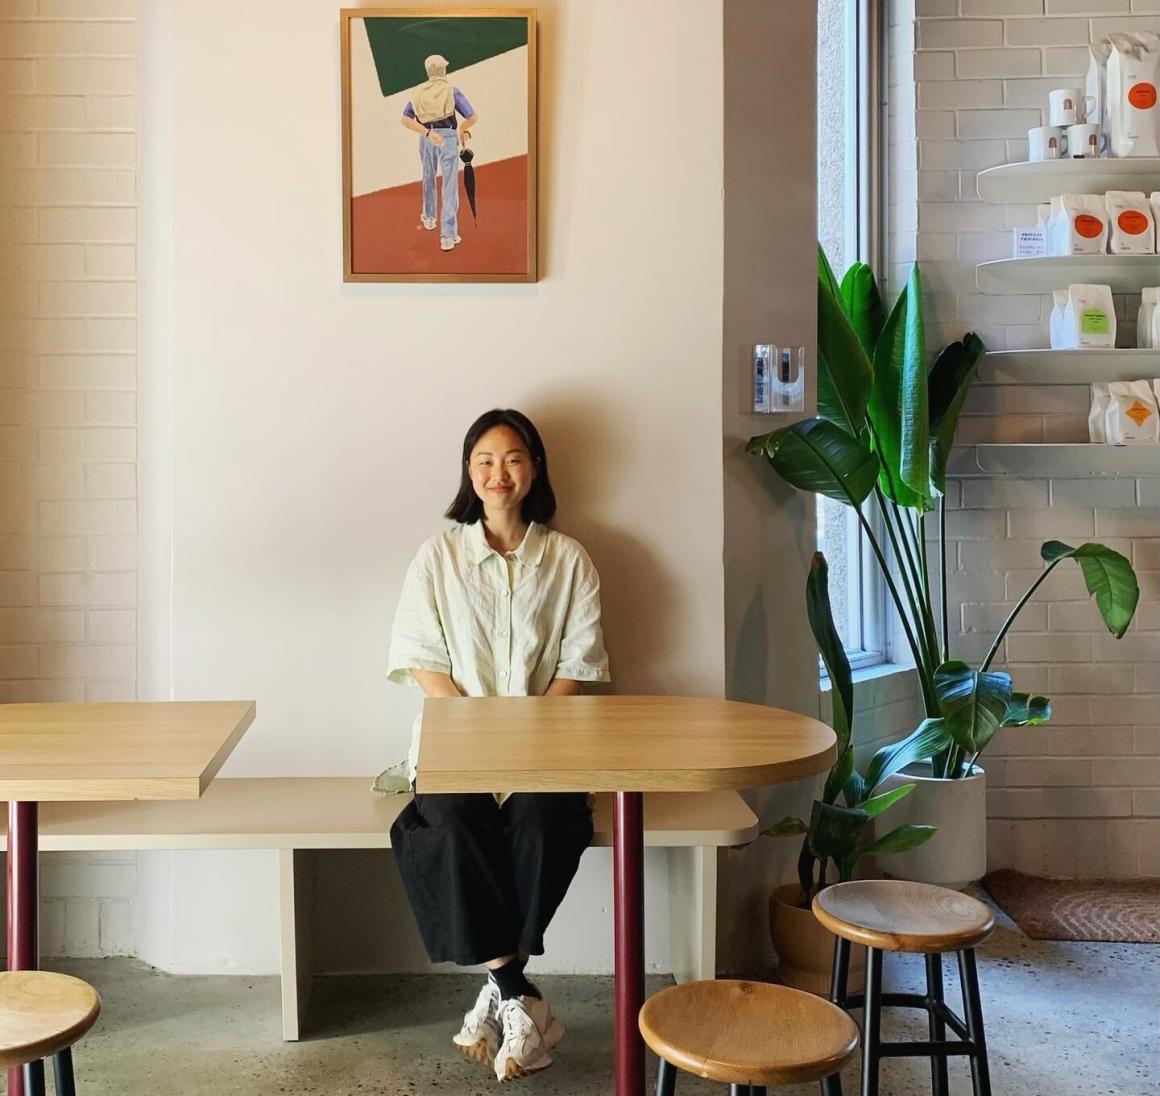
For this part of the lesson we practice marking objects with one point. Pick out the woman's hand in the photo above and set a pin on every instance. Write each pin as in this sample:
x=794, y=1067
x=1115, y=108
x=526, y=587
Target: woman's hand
x=563, y=686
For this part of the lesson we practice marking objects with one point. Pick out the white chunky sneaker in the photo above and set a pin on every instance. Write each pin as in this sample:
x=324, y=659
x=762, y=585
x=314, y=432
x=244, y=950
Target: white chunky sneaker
x=447, y=243
x=428, y=223
x=529, y=1032
x=480, y=1035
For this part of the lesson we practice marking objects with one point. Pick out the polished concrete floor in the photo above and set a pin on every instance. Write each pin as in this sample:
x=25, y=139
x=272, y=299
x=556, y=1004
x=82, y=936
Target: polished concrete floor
x=1062, y=1020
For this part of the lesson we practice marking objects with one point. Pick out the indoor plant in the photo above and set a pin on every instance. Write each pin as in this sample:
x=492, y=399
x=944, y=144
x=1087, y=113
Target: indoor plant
x=883, y=433
x=838, y=832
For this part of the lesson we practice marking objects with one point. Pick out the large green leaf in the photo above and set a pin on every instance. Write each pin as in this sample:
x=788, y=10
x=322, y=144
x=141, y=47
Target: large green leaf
x=898, y=406
x=973, y=703
x=1109, y=578
x=899, y=840
x=927, y=739
x=949, y=381
x=826, y=273
x=815, y=455
x=834, y=830
x=1025, y=710
x=833, y=652
x=863, y=305
x=879, y=803
x=844, y=369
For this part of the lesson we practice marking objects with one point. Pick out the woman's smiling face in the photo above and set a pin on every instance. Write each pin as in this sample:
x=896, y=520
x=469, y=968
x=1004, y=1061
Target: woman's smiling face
x=501, y=469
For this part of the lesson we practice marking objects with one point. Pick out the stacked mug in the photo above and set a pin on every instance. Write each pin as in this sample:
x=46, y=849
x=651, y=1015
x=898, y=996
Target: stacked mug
x=1072, y=130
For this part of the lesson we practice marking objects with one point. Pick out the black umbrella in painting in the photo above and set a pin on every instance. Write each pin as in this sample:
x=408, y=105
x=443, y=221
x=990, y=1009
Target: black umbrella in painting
x=466, y=155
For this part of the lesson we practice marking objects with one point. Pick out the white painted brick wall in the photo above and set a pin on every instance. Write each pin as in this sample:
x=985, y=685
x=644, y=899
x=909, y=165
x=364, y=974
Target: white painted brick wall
x=68, y=494
x=1080, y=796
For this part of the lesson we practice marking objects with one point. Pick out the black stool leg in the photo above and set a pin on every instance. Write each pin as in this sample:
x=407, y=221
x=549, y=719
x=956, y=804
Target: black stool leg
x=938, y=1027
x=841, y=971
x=62, y=1067
x=34, y=1078
x=973, y=1016
x=757, y=1090
x=666, y=1079
x=832, y=1085
x=739, y=1090
x=872, y=1022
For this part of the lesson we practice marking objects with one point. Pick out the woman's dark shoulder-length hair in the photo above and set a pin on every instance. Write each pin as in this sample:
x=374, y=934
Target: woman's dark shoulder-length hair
x=540, y=502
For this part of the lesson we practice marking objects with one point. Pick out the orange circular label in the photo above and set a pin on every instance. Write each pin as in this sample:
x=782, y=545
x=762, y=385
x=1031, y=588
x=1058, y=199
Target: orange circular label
x=1142, y=96
x=1088, y=226
x=1132, y=221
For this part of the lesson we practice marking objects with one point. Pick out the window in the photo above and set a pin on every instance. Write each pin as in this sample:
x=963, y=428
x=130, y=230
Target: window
x=848, y=227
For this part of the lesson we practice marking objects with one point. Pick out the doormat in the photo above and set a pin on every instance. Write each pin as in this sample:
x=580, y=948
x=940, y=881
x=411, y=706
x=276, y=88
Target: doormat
x=1121, y=911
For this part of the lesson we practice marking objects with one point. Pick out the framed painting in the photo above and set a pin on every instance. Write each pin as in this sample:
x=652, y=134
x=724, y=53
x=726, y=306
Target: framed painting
x=438, y=144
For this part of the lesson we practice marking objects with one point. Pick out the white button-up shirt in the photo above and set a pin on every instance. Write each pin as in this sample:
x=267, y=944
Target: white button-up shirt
x=499, y=626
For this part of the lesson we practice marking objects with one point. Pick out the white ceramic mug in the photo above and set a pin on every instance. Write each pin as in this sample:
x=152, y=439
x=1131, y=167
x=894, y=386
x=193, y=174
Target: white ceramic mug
x=1045, y=143
x=1068, y=106
x=1084, y=141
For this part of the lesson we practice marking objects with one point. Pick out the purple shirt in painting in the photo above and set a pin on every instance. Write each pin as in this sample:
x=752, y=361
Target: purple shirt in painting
x=461, y=105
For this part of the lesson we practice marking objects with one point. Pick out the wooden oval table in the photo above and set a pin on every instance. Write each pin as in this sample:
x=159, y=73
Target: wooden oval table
x=86, y=752
x=627, y=745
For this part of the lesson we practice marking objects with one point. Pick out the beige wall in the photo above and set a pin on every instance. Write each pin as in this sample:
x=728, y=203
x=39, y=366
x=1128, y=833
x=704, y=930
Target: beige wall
x=314, y=428
x=770, y=296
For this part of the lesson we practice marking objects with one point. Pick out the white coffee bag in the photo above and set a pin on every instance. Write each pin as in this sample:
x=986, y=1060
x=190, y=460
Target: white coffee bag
x=1131, y=230
x=1082, y=224
x=1133, y=111
x=1149, y=297
x=1132, y=417
x=1089, y=318
x=1154, y=206
x=1096, y=82
x=1058, y=326
x=1097, y=416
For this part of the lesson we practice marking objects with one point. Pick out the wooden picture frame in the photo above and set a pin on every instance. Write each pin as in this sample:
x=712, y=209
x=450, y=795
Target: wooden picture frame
x=397, y=211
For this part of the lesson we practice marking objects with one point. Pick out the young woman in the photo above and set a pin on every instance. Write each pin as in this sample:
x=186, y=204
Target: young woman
x=499, y=605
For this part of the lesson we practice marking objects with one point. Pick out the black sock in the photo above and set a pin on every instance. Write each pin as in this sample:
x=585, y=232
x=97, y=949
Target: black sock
x=512, y=981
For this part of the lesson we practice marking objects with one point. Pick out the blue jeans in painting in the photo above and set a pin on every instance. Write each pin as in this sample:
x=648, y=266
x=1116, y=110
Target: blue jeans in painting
x=446, y=159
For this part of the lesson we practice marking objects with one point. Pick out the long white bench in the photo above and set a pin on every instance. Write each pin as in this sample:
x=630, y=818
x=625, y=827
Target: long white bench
x=298, y=816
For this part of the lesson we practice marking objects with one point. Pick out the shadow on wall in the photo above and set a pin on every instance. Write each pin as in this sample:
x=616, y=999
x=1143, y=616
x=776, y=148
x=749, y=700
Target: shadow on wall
x=638, y=597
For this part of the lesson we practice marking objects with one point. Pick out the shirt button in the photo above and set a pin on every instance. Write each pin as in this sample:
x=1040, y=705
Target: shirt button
x=507, y=593
x=503, y=673
x=503, y=634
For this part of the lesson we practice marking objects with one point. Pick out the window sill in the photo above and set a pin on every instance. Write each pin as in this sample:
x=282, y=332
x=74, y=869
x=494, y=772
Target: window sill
x=881, y=684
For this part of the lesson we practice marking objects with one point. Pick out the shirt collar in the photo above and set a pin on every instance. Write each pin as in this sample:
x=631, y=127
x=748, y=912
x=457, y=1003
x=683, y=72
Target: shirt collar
x=530, y=552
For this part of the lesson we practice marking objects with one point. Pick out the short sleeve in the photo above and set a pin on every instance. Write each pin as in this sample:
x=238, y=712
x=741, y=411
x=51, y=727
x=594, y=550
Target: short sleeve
x=417, y=641
x=582, y=654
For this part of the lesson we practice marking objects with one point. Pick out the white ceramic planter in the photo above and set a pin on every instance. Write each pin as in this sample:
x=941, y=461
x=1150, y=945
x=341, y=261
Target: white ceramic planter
x=957, y=855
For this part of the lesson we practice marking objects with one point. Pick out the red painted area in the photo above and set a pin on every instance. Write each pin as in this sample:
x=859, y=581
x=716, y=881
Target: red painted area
x=387, y=238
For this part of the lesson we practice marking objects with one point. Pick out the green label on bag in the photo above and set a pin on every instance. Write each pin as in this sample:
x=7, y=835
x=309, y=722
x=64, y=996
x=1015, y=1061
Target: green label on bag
x=1094, y=321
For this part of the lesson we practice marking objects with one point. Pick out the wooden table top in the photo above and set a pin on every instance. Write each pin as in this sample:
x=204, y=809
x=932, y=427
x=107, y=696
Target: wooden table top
x=141, y=750
x=614, y=743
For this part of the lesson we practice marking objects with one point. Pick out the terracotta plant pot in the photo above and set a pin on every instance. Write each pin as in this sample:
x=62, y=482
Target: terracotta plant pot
x=957, y=855
x=805, y=950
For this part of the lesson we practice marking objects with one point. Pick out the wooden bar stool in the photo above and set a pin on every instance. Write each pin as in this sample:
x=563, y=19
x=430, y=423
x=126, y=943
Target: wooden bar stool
x=41, y=1016
x=893, y=915
x=747, y=1035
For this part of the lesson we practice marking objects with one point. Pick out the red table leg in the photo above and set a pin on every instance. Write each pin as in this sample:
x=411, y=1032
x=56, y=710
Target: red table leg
x=628, y=901
x=22, y=903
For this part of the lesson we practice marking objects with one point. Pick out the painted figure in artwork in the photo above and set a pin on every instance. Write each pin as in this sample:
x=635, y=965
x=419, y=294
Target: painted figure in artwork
x=431, y=113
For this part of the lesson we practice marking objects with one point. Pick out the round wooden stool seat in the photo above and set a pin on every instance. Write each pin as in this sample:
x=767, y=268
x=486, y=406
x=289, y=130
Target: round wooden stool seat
x=748, y=1033
x=894, y=915
x=42, y=1013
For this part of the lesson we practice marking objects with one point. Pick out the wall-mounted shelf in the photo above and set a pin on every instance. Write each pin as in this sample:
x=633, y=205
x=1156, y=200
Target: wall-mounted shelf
x=1075, y=461
x=1040, y=182
x=1124, y=273
x=1068, y=366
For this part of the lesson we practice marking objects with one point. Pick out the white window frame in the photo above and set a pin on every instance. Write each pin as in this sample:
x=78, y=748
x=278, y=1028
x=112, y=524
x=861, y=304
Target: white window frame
x=868, y=624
